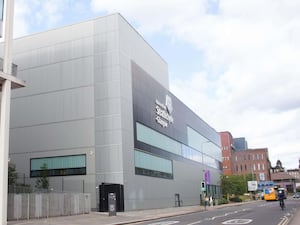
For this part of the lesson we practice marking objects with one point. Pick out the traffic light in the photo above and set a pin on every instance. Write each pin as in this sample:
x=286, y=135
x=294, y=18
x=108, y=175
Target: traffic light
x=203, y=188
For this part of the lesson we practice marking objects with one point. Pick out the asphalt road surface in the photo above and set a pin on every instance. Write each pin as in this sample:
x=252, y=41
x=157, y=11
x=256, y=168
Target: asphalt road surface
x=254, y=213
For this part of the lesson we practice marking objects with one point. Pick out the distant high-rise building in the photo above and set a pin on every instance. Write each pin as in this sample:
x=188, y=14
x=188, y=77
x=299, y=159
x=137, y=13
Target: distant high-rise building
x=240, y=144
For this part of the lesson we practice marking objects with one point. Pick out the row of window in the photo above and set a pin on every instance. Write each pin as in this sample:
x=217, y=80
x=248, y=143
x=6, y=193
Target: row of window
x=250, y=157
x=58, y=166
x=253, y=167
x=200, y=143
x=156, y=139
x=154, y=166
x=225, y=148
x=145, y=164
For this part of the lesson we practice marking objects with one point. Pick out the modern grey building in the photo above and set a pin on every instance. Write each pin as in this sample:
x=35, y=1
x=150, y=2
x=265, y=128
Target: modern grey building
x=97, y=111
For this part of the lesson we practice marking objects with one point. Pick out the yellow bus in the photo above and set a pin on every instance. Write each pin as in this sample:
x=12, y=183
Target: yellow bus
x=270, y=194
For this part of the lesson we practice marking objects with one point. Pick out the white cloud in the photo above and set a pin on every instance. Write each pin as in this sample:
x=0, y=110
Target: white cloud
x=39, y=15
x=153, y=15
x=22, y=10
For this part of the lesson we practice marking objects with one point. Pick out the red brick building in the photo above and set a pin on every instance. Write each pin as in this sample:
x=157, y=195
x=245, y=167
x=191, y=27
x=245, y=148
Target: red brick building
x=227, y=151
x=243, y=162
x=252, y=161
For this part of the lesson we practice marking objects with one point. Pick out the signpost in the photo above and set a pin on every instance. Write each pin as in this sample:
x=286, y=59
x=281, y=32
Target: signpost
x=1, y=16
x=252, y=186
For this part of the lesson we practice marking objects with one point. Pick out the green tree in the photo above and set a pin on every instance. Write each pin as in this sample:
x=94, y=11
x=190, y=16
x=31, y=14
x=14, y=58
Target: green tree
x=12, y=174
x=43, y=181
x=233, y=185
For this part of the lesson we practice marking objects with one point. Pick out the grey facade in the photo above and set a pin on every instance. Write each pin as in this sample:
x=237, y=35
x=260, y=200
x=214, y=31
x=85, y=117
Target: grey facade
x=87, y=109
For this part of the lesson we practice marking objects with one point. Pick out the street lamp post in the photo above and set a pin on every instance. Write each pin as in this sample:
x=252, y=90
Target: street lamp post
x=7, y=82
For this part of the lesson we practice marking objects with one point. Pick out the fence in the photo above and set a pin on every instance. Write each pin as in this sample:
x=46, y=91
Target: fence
x=39, y=205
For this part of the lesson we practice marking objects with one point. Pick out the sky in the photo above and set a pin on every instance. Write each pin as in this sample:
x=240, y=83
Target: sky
x=234, y=63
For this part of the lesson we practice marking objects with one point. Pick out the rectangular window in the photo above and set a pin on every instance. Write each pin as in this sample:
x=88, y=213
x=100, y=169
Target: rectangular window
x=154, y=138
x=151, y=137
x=191, y=153
x=59, y=166
x=202, y=144
x=154, y=166
x=209, y=161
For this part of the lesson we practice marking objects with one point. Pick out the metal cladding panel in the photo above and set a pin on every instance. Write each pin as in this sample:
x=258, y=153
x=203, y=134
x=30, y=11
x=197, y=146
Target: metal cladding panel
x=53, y=136
x=133, y=46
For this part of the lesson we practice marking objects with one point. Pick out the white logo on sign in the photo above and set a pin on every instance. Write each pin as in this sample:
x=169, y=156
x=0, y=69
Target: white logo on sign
x=163, y=112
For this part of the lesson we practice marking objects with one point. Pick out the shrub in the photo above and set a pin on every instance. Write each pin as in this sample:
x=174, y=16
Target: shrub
x=222, y=201
x=236, y=199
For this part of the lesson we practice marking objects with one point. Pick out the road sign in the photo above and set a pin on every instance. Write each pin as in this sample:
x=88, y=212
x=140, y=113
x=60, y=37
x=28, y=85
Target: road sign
x=252, y=186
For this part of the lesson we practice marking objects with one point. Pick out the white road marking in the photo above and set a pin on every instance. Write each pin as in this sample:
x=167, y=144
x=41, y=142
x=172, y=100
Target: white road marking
x=237, y=221
x=164, y=223
x=219, y=216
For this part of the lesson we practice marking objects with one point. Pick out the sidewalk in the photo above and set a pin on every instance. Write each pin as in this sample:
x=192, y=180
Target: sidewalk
x=295, y=219
x=100, y=218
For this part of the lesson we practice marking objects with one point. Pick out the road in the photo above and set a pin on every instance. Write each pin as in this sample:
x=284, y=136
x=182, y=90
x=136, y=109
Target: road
x=253, y=213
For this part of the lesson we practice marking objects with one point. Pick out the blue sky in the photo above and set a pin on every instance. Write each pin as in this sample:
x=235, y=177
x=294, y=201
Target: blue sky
x=238, y=59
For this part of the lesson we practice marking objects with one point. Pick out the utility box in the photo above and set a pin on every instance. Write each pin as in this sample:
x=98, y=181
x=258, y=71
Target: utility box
x=104, y=190
x=203, y=186
x=112, y=204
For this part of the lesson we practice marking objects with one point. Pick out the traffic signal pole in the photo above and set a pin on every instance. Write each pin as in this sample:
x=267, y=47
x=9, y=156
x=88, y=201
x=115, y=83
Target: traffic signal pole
x=7, y=82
